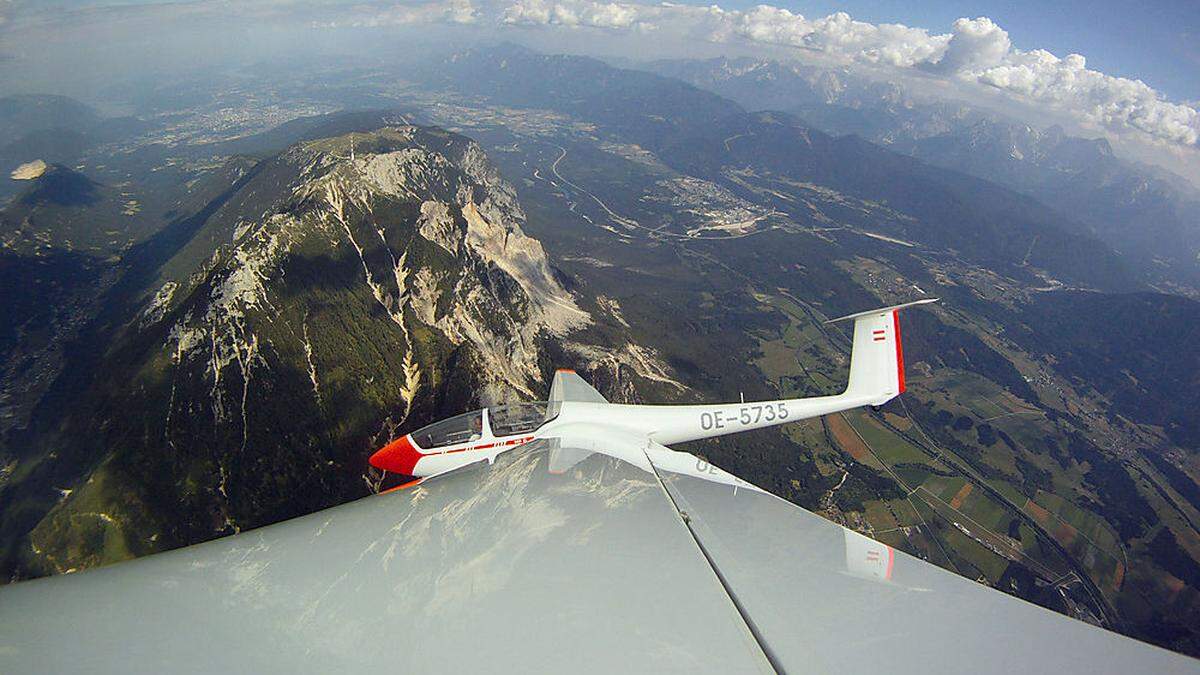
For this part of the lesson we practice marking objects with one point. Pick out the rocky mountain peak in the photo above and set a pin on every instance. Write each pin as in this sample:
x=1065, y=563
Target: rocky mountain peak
x=356, y=287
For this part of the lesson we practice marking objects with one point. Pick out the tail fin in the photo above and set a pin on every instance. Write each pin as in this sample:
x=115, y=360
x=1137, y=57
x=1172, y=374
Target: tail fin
x=877, y=357
x=568, y=386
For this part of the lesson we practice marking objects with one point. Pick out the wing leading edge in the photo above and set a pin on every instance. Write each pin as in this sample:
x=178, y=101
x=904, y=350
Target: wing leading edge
x=826, y=599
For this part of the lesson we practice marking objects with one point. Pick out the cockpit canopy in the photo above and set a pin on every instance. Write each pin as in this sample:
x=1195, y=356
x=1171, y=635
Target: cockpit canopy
x=457, y=429
x=518, y=418
x=504, y=420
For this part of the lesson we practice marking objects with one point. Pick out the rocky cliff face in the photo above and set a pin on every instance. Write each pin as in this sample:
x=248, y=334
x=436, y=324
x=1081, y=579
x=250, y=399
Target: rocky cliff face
x=351, y=288
x=435, y=234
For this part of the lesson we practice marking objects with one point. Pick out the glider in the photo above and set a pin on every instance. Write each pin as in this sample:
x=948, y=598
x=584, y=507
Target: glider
x=560, y=537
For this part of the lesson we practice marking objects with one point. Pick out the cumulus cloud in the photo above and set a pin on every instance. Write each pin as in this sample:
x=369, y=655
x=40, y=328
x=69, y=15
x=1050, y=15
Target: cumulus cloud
x=975, y=51
x=1113, y=102
x=975, y=43
x=980, y=51
x=837, y=34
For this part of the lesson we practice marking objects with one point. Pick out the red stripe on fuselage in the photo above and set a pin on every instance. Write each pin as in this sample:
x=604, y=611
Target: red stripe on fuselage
x=899, y=352
x=485, y=446
x=401, y=455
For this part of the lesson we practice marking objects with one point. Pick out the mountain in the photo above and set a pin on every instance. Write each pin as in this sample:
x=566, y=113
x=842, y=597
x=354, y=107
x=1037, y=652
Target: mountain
x=699, y=133
x=53, y=129
x=344, y=289
x=1148, y=369
x=59, y=186
x=1153, y=219
x=980, y=220
x=632, y=103
x=63, y=208
x=61, y=244
x=835, y=100
x=23, y=114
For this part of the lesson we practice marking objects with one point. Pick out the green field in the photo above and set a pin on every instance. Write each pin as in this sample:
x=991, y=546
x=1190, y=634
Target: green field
x=1087, y=524
x=887, y=446
x=985, y=511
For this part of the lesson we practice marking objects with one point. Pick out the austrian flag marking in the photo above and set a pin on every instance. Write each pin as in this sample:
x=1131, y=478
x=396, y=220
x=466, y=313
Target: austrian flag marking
x=879, y=335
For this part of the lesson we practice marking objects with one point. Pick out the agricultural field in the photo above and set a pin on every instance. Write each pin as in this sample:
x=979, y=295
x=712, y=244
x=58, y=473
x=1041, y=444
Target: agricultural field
x=945, y=515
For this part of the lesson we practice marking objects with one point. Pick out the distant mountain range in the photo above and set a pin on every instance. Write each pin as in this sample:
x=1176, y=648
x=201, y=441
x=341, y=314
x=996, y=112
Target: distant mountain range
x=1149, y=215
x=655, y=110
x=700, y=133
x=980, y=220
x=834, y=100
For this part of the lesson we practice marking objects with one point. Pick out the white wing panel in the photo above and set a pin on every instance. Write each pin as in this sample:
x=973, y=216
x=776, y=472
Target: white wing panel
x=503, y=568
x=824, y=599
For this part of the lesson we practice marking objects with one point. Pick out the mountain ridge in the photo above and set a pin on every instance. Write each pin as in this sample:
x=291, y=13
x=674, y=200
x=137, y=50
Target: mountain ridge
x=1150, y=216
x=387, y=281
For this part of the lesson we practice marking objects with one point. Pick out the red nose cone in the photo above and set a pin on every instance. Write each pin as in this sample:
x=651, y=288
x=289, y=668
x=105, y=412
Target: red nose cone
x=400, y=456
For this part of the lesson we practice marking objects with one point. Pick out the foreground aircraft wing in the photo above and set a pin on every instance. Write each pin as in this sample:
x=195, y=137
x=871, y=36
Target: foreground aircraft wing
x=616, y=564
x=592, y=548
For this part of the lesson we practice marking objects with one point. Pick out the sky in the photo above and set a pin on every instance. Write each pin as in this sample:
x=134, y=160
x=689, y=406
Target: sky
x=1157, y=42
x=1107, y=68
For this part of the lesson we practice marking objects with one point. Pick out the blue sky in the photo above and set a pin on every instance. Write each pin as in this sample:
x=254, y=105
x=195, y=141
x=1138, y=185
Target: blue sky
x=1157, y=42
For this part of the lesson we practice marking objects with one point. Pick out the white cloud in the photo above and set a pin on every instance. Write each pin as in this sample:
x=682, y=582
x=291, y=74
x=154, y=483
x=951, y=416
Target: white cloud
x=404, y=14
x=1113, y=102
x=976, y=51
x=975, y=43
x=837, y=34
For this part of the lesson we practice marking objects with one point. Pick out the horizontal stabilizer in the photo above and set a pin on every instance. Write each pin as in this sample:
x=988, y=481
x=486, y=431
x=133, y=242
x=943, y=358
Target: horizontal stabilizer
x=882, y=310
